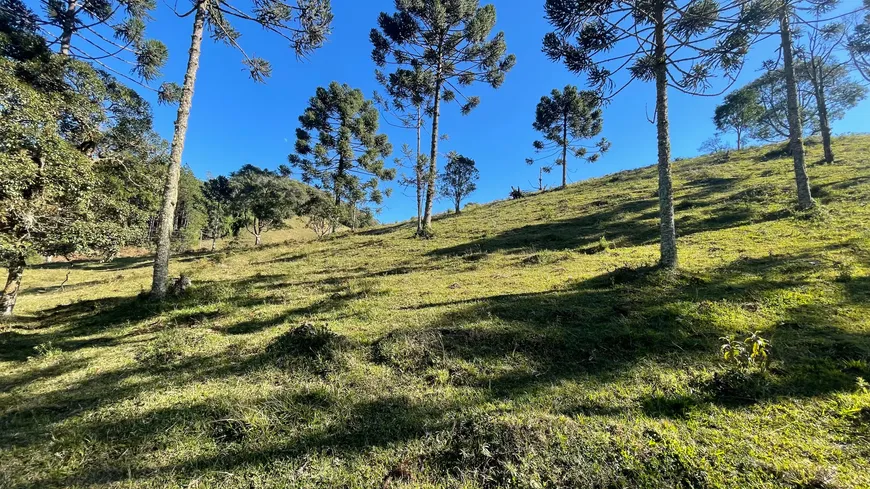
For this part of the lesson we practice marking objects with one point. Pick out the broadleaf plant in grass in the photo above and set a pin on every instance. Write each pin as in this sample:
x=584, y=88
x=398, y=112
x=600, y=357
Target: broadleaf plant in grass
x=304, y=24
x=338, y=147
x=566, y=118
x=681, y=45
x=449, y=41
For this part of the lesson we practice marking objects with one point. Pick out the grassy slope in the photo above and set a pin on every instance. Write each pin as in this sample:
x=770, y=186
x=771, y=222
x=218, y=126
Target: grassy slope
x=499, y=354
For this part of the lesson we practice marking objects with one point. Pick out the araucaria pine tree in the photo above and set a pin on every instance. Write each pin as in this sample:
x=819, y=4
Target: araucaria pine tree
x=304, y=24
x=676, y=44
x=410, y=97
x=450, y=41
x=339, y=148
x=859, y=46
x=566, y=118
x=100, y=32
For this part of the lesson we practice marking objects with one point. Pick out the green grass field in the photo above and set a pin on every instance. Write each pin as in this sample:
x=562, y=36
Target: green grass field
x=516, y=349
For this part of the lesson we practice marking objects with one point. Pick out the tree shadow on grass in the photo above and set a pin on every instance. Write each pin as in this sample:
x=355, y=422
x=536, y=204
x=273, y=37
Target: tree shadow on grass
x=631, y=223
x=607, y=324
x=596, y=329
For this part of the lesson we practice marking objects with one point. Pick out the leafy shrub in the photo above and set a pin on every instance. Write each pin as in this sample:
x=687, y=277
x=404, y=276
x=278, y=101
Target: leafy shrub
x=45, y=351
x=754, y=351
x=516, y=193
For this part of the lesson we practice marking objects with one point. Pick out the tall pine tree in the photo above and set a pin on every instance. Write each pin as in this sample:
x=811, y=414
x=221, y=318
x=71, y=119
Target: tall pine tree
x=676, y=44
x=339, y=148
x=565, y=118
x=304, y=24
x=450, y=41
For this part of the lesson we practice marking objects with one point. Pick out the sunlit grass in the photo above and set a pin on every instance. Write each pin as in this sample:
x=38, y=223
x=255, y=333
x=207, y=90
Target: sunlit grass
x=513, y=350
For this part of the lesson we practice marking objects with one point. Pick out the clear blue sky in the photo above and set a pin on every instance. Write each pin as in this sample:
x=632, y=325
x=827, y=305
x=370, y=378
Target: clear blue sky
x=236, y=121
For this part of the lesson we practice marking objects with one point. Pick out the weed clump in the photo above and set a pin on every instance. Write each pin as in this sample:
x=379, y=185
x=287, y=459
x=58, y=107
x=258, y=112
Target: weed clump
x=308, y=342
x=410, y=352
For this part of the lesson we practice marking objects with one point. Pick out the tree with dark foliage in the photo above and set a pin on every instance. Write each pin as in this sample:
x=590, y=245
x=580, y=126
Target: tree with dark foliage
x=339, y=148
x=304, y=24
x=449, y=41
x=565, y=118
x=676, y=44
x=458, y=179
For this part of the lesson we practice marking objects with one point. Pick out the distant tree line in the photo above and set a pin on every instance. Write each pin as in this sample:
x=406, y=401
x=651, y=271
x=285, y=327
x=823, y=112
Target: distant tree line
x=83, y=172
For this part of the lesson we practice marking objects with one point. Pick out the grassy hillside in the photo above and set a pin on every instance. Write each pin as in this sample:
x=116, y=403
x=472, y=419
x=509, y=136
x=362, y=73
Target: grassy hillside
x=514, y=350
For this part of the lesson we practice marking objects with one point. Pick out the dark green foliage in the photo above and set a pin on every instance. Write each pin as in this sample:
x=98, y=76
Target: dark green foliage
x=439, y=47
x=79, y=156
x=457, y=181
x=565, y=118
x=264, y=199
x=739, y=112
x=218, y=204
x=338, y=146
x=101, y=31
x=190, y=212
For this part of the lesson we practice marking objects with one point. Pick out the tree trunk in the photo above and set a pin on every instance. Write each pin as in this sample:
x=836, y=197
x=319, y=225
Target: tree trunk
x=668, y=258
x=817, y=79
x=68, y=25
x=170, y=190
x=739, y=132
x=257, y=231
x=213, y=243
x=13, y=284
x=565, y=151
x=433, y=156
x=795, y=129
x=418, y=169
x=458, y=206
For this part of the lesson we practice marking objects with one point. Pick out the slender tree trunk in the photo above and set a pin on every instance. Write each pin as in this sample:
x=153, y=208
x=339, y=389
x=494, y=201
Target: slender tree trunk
x=458, y=206
x=418, y=168
x=433, y=156
x=68, y=27
x=739, y=137
x=13, y=284
x=818, y=80
x=170, y=190
x=795, y=129
x=668, y=258
x=213, y=243
x=257, y=231
x=540, y=179
x=565, y=151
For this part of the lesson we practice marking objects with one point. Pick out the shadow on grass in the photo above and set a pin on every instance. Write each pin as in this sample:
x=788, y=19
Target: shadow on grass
x=596, y=329
x=631, y=223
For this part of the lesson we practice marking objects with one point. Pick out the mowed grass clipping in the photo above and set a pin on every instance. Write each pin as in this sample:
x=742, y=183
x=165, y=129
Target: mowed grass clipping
x=529, y=344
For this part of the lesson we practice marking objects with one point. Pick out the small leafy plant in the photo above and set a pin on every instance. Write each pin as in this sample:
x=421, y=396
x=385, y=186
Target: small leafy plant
x=752, y=352
x=45, y=350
